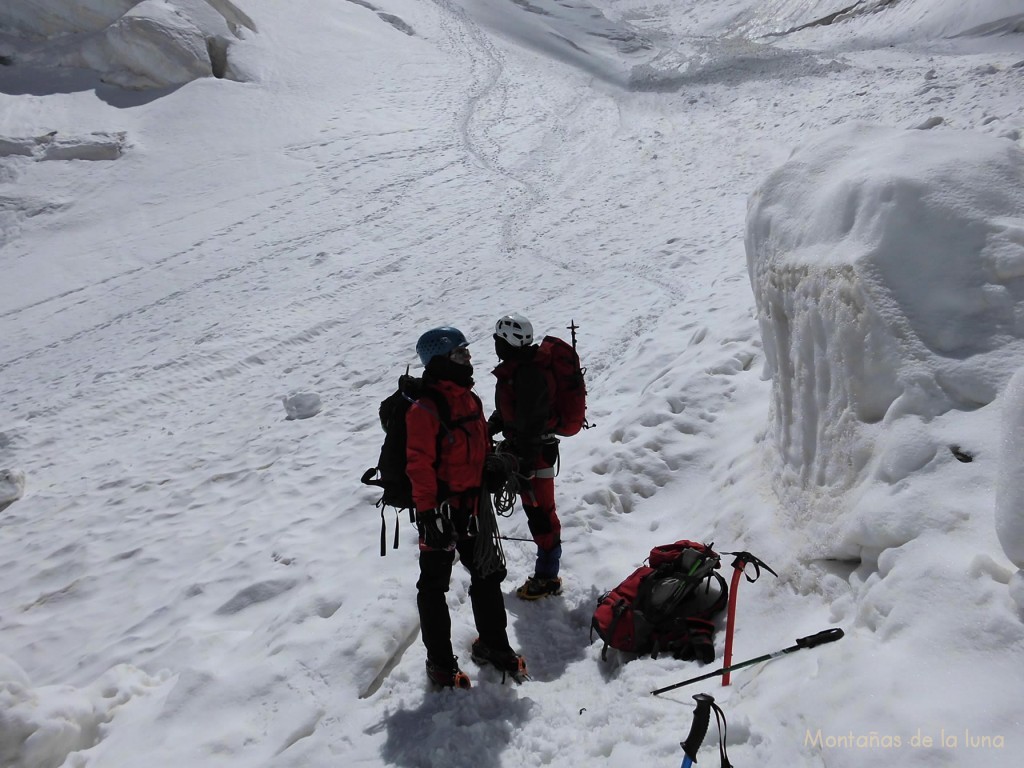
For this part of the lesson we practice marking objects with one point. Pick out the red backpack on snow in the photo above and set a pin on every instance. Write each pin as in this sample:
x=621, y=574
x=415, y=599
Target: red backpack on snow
x=666, y=606
x=569, y=402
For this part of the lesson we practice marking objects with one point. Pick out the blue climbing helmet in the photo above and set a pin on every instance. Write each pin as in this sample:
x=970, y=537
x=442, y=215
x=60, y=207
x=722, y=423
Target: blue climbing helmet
x=439, y=341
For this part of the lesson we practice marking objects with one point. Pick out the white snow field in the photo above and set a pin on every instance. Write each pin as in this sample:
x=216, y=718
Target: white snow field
x=791, y=233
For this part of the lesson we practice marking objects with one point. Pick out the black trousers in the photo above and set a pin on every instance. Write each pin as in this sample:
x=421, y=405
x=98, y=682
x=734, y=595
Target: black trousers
x=485, y=596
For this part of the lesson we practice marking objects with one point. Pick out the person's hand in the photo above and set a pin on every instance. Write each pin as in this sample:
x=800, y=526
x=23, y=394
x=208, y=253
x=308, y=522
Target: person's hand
x=496, y=473
x=436, y=530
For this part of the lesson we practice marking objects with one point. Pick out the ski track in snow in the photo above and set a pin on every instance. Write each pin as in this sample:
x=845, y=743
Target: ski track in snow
x=141, y=372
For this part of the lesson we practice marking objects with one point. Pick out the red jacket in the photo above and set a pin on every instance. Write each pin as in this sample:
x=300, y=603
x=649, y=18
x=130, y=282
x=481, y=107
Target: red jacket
x=464, y=445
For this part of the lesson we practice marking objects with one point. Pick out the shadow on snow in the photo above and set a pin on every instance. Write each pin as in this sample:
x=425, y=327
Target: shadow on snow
x=456, y=729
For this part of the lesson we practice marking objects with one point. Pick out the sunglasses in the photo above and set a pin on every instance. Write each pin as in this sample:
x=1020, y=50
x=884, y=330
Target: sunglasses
x=459, y=355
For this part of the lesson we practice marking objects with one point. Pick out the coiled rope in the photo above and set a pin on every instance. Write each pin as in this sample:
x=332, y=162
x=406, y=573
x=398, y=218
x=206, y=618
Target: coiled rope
x=487, y=551
x=513, y=484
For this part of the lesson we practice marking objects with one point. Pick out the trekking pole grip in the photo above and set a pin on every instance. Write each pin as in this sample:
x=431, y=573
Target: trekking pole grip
x=820, y=638
x=699, y=727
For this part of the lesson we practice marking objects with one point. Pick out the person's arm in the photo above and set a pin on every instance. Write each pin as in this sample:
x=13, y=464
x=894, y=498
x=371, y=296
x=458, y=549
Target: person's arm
x=494, y=424
x=422, y=423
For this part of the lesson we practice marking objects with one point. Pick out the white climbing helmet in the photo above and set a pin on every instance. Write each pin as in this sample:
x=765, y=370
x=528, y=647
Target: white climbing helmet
x=515, y=329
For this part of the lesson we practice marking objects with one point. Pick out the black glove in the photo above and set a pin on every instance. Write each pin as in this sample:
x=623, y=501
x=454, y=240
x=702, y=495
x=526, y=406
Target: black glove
x=496, y=473
x=494, y=424
x=436, y=530
x=697, y=644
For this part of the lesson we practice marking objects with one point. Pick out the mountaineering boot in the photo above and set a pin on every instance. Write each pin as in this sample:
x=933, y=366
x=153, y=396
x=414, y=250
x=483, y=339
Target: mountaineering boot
x=447, y=675
x=537, y=587
x=506, y=660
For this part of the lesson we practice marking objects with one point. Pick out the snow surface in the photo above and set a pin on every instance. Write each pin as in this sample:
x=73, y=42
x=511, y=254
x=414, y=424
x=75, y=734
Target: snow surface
x=800, y=318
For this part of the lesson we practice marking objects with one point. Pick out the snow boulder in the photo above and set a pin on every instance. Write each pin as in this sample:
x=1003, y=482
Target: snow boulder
x=139, y=45
x=97, y=145
x=41, y=726
x=35, y=19
x=301, y=405
x=1010, y=484
x=12, y=487
x=888, y=270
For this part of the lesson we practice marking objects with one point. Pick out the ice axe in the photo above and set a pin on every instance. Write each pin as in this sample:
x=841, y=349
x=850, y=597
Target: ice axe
x=739, y=565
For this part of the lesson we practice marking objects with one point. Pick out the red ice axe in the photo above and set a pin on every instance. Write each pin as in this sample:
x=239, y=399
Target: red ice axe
x=739, y=565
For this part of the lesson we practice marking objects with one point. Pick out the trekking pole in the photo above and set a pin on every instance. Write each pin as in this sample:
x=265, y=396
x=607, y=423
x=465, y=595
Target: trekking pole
x=571, y=327
x=811, y=641
x=739, y=565
x=699, y=729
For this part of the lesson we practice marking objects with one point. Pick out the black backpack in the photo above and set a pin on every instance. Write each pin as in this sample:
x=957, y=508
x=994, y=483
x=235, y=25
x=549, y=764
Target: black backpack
x=389, y=474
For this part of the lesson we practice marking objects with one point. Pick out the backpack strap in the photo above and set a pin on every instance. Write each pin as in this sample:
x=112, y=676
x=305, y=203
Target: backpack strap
x=437, y=400
x=617, y=611
x=723, y=596
x=443, y=413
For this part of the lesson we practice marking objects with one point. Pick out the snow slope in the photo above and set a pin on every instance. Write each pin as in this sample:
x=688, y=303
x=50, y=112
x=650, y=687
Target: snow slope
x=191, y=577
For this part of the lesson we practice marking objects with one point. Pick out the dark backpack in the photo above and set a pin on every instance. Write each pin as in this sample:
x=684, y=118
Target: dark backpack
x=569, y=400
x=389, y=474
x=667, y=606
